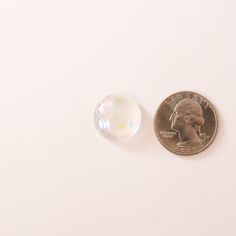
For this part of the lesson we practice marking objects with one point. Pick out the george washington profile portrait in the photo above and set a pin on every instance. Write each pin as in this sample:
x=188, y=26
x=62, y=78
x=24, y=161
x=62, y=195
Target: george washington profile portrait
x=187, y=120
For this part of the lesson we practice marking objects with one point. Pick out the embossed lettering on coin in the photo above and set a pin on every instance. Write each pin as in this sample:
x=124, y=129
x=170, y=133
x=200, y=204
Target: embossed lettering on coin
x=186, y=123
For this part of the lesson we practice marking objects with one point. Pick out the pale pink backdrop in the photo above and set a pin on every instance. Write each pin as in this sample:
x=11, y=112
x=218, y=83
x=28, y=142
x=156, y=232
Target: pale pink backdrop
x=58, y=177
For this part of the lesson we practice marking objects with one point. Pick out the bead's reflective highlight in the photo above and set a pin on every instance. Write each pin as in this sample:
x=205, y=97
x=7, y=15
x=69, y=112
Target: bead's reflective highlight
x=118, y=117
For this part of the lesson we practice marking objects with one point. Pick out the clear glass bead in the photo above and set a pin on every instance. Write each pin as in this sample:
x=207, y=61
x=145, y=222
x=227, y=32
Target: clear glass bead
x=118, y=117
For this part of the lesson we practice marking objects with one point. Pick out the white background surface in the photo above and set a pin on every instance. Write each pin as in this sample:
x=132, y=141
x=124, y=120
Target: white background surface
x=58, y=177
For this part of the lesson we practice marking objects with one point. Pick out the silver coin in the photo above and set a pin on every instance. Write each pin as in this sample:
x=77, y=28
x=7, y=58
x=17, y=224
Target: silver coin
x=186, y=123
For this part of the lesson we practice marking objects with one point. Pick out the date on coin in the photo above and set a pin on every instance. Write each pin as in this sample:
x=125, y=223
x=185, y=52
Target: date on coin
x=186, y=123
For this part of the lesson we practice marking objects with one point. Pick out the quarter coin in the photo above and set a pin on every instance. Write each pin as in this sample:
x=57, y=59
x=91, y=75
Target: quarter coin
x=186, y=123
